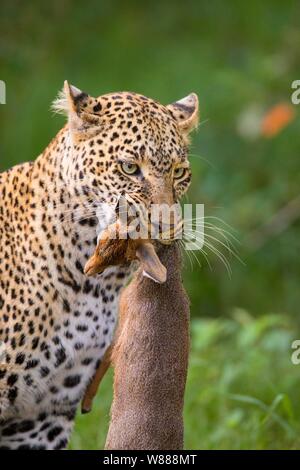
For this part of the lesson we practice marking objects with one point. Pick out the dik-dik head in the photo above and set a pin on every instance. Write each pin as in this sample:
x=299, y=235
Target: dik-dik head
x=125, y=143
x=112, y=250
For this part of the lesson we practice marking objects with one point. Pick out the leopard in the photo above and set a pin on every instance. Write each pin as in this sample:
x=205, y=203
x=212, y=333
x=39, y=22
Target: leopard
x=55, y=322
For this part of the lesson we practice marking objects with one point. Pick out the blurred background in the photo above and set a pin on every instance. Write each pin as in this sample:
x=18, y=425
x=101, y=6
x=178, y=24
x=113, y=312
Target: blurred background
x=241, y=59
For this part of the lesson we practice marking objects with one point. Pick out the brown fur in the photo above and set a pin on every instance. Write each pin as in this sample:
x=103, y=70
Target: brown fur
x=92, y=389
x=113, y=252
x=151, y=359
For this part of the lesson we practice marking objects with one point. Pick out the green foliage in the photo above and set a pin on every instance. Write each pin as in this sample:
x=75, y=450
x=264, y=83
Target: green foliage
x=242, y=390
x=238, y=56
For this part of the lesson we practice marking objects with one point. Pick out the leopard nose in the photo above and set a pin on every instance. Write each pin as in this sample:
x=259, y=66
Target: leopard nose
x=164, y=198
x=162, y=192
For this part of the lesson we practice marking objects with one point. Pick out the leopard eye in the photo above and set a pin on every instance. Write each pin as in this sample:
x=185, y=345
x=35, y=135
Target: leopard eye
x=179, y=172
x=130, y=168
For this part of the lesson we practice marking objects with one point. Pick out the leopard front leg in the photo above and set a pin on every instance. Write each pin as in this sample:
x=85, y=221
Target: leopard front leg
x=45, y=432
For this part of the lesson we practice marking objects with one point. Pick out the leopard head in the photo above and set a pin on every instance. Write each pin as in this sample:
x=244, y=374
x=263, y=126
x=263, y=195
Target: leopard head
x=127, y=144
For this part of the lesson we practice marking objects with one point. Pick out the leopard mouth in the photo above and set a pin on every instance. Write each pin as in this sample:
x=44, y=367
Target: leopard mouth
x=139, y=223
x=166, y=242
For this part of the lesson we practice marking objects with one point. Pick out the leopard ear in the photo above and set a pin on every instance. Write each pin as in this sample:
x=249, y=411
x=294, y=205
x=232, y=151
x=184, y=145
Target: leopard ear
x=80, y=108
x=186, y=113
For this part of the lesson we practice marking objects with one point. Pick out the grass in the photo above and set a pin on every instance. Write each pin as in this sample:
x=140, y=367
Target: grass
x=242, y=389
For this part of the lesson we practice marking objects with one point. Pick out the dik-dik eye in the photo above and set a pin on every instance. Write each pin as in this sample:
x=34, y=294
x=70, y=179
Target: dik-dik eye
x=179, y=172
x=130, y=168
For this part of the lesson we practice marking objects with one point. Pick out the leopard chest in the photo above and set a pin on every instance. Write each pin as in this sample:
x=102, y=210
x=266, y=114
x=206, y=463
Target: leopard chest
x=80, y=339
x=55, y=374
x=78, y=346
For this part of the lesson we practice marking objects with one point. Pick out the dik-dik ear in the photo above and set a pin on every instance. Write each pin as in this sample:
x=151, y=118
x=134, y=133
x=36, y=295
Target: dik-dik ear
x=150, y=262
x=186, y=113
x=82, y=110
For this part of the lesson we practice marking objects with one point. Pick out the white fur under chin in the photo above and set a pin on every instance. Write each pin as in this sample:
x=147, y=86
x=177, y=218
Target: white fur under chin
x=105, y=215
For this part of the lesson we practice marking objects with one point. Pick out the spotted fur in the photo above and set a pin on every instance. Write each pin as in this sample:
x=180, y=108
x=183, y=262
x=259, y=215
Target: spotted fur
x=55, y=323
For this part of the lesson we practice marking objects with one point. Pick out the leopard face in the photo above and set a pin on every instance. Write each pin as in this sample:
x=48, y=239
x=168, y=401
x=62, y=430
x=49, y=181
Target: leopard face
x=125, y=143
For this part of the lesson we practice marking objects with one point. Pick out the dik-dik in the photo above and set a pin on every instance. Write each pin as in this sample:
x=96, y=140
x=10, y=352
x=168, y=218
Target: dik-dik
x=150, y=357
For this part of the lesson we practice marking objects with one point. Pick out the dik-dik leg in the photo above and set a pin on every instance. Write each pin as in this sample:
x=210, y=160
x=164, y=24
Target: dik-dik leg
x=92, y=389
